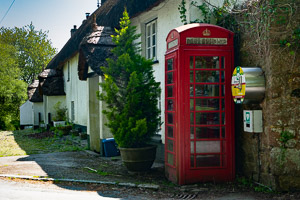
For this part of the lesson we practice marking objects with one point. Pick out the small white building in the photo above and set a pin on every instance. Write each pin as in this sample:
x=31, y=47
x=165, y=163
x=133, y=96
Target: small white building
x=32, y=112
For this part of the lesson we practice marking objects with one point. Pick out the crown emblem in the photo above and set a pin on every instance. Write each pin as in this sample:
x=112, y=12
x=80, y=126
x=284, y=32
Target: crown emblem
x=206, y=32
x=172, y=35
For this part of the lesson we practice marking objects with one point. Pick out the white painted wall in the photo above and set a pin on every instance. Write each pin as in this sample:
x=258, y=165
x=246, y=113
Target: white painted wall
x=26, y=113
x=49, y=102
x=38, y=108
x=76, y=91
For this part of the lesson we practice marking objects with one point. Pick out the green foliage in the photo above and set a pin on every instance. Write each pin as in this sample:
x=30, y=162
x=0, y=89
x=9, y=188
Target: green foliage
x=130, y=90
x=60, y=113
x=182, y=11
x=246, y=182
x=285, y=136
x=33, y=49
x=263, y=21
x=12, y=90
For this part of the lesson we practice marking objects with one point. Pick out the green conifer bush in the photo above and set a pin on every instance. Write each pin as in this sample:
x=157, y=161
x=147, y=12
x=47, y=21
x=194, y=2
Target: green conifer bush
x=130, y=90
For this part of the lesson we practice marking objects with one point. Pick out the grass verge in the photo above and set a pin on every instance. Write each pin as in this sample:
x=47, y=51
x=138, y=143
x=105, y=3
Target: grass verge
x=18, y=143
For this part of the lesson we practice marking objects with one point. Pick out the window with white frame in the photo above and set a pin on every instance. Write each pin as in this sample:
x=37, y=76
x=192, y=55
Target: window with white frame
x=151, y=33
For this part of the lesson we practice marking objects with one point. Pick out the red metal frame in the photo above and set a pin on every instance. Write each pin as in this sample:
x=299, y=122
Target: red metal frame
x=203, y=158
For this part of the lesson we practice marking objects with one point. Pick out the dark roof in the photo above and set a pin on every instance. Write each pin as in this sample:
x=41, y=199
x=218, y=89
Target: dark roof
x=94, y=49
x=107, y=15
x=51, y=82
x=33, y=92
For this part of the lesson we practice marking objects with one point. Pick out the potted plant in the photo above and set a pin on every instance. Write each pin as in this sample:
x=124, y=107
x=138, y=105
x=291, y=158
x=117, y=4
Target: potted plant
x=60, y=117
x=131, y=95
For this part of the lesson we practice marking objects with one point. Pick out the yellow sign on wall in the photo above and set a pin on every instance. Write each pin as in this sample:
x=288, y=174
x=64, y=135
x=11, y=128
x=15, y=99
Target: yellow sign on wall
x=238, y=85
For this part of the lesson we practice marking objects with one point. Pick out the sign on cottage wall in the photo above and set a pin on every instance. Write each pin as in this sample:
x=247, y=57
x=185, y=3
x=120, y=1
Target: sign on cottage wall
x=238, y=85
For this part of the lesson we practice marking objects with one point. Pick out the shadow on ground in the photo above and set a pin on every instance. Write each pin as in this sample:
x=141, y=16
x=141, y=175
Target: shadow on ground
x=86, y=165
x=78, y=165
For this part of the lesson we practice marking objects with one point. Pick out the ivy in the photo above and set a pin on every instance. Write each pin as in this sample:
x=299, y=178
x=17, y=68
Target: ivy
x=257, y=19
x=182, y=12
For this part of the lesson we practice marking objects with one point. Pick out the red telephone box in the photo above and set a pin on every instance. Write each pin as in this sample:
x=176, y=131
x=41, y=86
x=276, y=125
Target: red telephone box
x=199, y=108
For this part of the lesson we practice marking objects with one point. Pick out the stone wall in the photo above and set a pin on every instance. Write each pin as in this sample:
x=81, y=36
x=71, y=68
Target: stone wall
x=273, y=157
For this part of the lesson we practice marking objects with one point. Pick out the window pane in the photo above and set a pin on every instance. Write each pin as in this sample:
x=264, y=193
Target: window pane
x=191, y=104
x=170, y=159
x=207, y=160
x=170, y=64
x=169, y=91
x=223, y=104
x=192, y=161
x=192, y=118
x=170, y=131
x=192, y=147
x=207, y=104
x=222, y=76
x=148, y=42
x=153, y=40
x=149, y=53
x=170, y=105
x=207, y=90
x=191, y=62
x=170, y=78
x=148, y=30
x=191, y=90
x=170, y=118
x=223, y=118
x=207, y=76
x=192, y=132
x=223, y=132
x=207, y=118
x=208, y=147
x=170, y=145
x=191, y=76
x=207, y=132
x=153, y=27
x=223, y=90
x=202, y=62
x=222, y=62
x=153, y=52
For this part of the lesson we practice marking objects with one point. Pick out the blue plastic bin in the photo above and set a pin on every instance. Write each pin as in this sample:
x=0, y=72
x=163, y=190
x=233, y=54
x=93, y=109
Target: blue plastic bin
x=110, y=147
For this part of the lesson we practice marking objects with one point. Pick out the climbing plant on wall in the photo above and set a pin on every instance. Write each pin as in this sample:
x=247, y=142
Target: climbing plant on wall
x=268, y=22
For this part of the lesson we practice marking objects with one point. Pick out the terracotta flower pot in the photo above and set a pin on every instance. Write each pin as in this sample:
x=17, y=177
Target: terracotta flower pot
x=138, y=159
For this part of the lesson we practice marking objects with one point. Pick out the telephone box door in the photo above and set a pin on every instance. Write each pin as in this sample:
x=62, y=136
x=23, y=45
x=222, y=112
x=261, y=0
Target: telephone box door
x=208, y=136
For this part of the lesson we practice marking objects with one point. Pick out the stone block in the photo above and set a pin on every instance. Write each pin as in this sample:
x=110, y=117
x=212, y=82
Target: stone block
x=289, y=183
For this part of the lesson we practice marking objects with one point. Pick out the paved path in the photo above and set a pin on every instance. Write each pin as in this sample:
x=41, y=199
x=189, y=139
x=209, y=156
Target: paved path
x=17, y=191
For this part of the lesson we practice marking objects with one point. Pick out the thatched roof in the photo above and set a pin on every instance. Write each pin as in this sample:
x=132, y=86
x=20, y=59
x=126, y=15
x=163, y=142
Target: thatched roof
x=33, y=92
x=94, y=49
x=107, y=15
x=51, y=82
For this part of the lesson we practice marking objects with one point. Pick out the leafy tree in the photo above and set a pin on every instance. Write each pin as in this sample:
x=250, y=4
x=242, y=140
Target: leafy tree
x=34, y=49
x=12, y=90
x=130, y=90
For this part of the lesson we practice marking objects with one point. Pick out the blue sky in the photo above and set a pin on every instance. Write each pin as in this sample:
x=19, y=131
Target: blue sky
x=55, y=16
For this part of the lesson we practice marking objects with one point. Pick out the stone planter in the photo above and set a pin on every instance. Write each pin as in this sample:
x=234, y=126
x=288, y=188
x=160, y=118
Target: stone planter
x=138, y=159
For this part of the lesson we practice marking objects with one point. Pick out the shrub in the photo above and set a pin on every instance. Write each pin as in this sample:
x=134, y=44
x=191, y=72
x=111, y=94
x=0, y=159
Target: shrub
x=130, y=90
